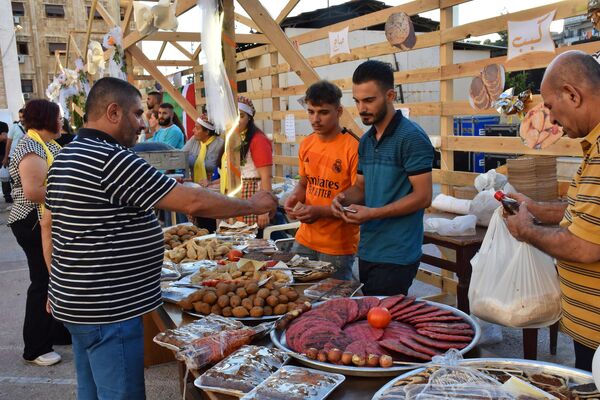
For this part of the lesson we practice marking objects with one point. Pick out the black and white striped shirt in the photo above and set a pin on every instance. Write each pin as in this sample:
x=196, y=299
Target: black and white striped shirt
x=107, y=243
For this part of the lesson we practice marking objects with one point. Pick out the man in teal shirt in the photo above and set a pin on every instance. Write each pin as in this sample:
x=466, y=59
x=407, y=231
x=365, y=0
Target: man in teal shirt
x=169, y=133
x=393, y=186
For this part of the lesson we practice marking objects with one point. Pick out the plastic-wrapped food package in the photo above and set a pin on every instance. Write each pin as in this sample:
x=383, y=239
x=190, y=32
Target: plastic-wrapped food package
x=455, y=382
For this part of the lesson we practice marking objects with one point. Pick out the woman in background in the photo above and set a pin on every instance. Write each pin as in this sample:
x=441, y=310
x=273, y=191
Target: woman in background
x=28, y=169
x=256, y=158
x=205, y=150
x=152, y=127
x=66, y=133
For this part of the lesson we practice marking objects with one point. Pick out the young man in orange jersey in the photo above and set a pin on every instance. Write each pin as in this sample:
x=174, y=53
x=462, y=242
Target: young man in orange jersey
x=327, y=160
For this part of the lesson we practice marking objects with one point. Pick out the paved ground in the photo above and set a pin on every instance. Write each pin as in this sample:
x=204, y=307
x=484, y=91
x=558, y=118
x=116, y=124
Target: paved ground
x=23, y=381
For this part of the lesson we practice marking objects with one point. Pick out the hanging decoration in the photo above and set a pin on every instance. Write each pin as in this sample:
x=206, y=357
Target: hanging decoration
x=537, y=129
x=220, y=103
x=62, y=88
x=95, y=59
x=400, y=31
x=338, y=42
x=530, y=36
x=150, y=19
x=117, y=67
x=486, y=86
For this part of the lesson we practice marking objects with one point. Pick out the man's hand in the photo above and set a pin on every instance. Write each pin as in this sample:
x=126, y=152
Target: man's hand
x=289, y=205
x=48, y=308
x=5, y=162
x=362, y=214
x=337, y=205
x=263, y=220
x=519, y=224
x=263, y=202
x=308, y=214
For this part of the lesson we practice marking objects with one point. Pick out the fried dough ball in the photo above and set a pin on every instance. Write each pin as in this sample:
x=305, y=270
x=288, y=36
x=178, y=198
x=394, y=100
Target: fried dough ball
x=252, y=288
x=202, y=307
x=210, y=298
x=227, y=312
x=263, y=293
x=272, y=301
x=256, y=312
x=240, y=312
x=247, y=304
x=235, y=301
x=223, y=301
x=280, y=309
x=258, y=302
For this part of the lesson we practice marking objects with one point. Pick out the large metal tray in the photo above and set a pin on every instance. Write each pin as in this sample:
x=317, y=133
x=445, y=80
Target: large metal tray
x=574, y=375
x=278, y=339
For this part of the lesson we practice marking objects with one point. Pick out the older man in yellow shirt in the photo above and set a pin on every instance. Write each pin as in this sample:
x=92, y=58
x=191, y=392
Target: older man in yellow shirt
x=571, y=90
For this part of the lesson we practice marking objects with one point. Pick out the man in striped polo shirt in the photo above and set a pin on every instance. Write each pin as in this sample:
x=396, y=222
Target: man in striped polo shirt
x=105, y=245
x=393, y=185
x=571, y=90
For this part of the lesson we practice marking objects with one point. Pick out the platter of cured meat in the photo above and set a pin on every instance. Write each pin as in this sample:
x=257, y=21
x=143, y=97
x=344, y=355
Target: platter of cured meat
x=338, y=335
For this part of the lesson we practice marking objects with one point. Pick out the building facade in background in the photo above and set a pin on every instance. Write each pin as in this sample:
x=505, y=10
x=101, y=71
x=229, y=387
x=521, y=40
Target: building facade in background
x=42, y=27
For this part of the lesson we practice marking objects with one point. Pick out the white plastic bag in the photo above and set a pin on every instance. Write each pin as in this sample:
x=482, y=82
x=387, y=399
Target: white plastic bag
x=451, y=204
x=4, y=175
x=490, y=180
x=484, y=204
x=513, y=283
x=459, y=226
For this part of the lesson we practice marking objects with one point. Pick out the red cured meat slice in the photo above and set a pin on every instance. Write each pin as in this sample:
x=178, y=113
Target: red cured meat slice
x=316, y=337
x=421, y=311
x=361, y=330
x=395, y=329
x=391, y=301
x=344, y=309
x=445, y=336
x=438, y=344
x=440, y=318
x=417, y=346
x=403, y=304
x=295, y=331
x=340, y=341
x=364, y=305
x=451, y=325
x=398, y=347
x=412, y=307
x=438, y=313
x=365, y=347
x=449, y=331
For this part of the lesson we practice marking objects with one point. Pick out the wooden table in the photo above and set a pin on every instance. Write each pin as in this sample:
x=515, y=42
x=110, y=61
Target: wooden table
x=465, y=248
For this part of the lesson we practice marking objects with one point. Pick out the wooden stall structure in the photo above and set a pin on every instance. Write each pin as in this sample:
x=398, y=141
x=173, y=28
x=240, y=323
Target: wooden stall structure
x=284, y=56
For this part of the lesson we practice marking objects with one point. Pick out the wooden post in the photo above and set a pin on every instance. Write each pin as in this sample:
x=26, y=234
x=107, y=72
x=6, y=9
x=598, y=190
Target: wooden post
x=446, y=95
x=290, y=52
x=286, y=11
x=276, y=103
x=89, y=29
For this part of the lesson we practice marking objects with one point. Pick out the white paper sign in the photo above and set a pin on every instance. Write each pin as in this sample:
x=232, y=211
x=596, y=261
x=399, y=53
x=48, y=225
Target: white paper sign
x=529, y=36
x=338, y=42
x=290, y=128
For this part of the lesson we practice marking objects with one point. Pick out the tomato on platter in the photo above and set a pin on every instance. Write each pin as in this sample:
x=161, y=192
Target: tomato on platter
x=379, y=317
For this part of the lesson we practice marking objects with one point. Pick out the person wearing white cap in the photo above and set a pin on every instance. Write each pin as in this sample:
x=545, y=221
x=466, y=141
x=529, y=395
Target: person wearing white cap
x=204, y=151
